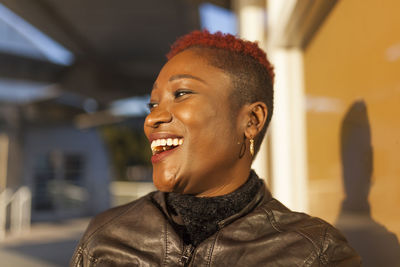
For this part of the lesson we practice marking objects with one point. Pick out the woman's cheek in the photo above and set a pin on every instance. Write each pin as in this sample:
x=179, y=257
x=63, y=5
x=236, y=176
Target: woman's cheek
x=189, y=110
x=186, y=115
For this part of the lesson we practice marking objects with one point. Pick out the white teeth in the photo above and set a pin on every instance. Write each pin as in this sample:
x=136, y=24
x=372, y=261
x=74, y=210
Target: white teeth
x=160, y=144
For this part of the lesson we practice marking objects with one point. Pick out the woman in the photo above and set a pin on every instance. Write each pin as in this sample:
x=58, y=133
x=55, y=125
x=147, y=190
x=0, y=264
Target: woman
x=210, y=107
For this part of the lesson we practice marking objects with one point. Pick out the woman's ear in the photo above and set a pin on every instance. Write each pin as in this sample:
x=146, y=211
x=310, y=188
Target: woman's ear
x=256, y=117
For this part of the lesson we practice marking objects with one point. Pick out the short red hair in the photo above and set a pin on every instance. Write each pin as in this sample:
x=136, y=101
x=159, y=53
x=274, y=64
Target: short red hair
x=223, y=41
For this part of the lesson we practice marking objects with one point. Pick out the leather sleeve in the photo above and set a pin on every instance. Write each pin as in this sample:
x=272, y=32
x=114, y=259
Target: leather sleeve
x=81, y=256
x=76, y=260
x=336, y=251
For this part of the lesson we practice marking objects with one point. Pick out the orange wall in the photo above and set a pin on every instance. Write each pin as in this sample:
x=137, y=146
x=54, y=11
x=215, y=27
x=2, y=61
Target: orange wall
x=355, y=56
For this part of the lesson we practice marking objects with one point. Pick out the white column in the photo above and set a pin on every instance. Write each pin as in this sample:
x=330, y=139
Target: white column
x=3, y=161
x=5, y=197
x=251, y=19
x=288, y=148
x=288, y=128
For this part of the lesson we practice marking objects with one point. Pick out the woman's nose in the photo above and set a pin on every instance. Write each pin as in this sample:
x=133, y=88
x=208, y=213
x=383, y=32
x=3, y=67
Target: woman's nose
x=157, y=117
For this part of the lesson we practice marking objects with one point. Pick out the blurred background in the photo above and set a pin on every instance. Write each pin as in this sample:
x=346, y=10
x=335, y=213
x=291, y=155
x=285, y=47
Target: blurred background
x=75, y=78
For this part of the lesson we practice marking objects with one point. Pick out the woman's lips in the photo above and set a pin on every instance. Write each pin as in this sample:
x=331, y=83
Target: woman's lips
x=160, y=156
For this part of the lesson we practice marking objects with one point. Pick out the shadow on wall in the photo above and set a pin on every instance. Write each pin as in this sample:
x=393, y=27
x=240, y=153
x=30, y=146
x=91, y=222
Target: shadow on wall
x=375, y=244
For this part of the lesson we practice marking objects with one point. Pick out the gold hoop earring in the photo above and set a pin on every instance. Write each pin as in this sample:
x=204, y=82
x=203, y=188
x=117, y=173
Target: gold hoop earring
x=252, y=147
x=242, y=147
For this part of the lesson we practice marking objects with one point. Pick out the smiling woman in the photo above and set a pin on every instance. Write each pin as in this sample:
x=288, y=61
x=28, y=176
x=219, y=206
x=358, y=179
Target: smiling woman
x=209, y=109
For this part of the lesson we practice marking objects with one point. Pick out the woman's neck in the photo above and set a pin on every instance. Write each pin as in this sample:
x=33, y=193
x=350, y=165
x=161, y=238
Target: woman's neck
x=237, y=176
x=197, y=217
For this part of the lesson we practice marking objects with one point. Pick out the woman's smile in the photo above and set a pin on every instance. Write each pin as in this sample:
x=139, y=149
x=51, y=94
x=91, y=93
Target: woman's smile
x=162, y=144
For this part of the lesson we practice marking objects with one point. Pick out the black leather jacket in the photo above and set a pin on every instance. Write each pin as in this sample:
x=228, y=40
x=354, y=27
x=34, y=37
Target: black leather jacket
x=264, y=233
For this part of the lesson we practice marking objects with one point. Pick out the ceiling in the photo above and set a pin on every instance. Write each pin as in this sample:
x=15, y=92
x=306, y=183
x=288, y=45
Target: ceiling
x=119, y=46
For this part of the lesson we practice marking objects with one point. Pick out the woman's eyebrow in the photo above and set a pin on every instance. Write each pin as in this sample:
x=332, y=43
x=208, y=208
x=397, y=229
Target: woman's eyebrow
x=185, y=76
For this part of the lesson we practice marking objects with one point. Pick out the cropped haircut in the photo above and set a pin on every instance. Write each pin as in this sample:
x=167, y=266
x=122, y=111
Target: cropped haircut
x=251, y=73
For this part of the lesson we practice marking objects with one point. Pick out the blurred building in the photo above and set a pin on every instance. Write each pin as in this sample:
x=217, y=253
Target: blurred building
x=40, y=147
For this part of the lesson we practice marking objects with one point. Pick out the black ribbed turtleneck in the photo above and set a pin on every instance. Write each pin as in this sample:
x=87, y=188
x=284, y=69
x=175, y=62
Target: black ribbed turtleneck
x=197, y=218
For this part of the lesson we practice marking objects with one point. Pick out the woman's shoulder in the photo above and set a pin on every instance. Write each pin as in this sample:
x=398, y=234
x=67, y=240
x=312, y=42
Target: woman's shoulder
x=328, y=243
x=113, y=230
x=116, y=215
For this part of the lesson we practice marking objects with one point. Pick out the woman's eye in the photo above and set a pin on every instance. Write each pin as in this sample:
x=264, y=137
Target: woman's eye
x=151, y=105
x=180, y=93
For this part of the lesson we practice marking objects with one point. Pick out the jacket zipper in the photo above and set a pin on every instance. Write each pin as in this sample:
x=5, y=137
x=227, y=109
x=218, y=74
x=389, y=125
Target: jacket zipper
x=187, y=255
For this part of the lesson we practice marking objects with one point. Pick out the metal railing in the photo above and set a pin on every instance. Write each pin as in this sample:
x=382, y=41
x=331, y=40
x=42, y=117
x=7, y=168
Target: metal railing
x=20, y=211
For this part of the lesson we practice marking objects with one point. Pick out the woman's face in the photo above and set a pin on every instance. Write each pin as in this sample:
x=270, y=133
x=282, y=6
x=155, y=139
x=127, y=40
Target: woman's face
x=190, y=127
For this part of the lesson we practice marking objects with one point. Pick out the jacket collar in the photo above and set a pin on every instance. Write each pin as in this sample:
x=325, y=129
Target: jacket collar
x=263, y=195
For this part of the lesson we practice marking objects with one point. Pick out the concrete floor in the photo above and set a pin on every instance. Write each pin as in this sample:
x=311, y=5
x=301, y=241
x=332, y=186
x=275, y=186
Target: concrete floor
x=45, y=245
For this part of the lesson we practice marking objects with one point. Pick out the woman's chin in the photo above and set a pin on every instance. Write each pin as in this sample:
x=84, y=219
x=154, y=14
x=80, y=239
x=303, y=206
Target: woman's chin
x=164, y=182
